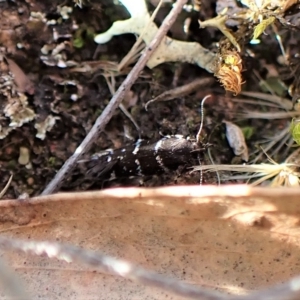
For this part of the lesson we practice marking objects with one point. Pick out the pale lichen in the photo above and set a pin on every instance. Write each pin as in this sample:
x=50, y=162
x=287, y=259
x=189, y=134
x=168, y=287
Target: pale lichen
x=15, y=109
x=45, y=126
x=170, y=50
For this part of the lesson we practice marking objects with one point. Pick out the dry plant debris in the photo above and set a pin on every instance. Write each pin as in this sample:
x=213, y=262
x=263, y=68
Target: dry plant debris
x=273, y=174
x=229, y=71
x=181, y=91
x=270, y=173
x=227, y=64
x=236, y=140
x=241, y=241
x=169, y=50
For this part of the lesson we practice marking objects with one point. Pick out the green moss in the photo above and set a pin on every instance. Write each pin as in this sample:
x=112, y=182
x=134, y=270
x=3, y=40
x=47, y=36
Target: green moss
x=51, y=161
x=82, y=35
x=248, y=132
x=295, y=130
x=78, y=42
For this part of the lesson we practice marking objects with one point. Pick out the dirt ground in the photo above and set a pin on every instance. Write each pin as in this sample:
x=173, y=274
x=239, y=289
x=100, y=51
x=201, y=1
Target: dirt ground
x=51, y=99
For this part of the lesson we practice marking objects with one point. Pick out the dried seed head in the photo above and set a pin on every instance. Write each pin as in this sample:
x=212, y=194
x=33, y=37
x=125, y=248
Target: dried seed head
x=229, y=72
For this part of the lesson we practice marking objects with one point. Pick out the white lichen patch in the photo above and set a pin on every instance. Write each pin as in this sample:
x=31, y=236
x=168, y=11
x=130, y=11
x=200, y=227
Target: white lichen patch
x=55, y=56
x=15, y=110
x=54, y=53
x=37, y=17
x=64, y=11
x=18, y=111
x=169, y=50
x=46, y=125
x=4, y=131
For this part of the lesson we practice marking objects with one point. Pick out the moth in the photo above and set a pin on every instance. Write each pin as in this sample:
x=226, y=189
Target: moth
x=149, y=158
x=146, y=157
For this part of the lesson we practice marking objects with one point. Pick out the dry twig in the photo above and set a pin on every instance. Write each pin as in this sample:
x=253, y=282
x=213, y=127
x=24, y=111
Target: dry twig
x=182, y=90
x=287, y=291
x=2, y=193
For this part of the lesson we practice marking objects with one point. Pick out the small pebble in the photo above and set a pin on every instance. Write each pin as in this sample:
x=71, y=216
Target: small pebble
x=30, y=181
x=24, y=156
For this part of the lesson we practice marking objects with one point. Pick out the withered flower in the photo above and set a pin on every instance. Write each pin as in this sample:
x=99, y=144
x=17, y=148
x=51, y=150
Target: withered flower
x=229, y=71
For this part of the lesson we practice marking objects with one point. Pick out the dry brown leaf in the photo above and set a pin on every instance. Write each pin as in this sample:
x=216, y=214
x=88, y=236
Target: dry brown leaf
x=288, y=3
x=235, y=239
x=236, y=140
x=22, y=81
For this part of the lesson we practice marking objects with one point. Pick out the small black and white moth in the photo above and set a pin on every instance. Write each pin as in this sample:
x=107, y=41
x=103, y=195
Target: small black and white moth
x=146, y=158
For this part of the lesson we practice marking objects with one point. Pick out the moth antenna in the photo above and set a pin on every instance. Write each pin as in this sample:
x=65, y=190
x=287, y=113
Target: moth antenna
x=202, y=118
x=199, y=132
x=201, y=172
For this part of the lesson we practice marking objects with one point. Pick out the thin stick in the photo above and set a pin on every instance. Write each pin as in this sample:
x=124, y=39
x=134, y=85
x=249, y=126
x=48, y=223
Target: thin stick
x=182, y=90
x=6, y=186
x=112, y=88
x=114, y=103
x=289, y=290
x=108, y=264
x=136, y=48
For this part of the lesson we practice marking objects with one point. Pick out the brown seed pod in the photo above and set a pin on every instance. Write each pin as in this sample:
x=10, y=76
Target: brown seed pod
x=229, y=72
